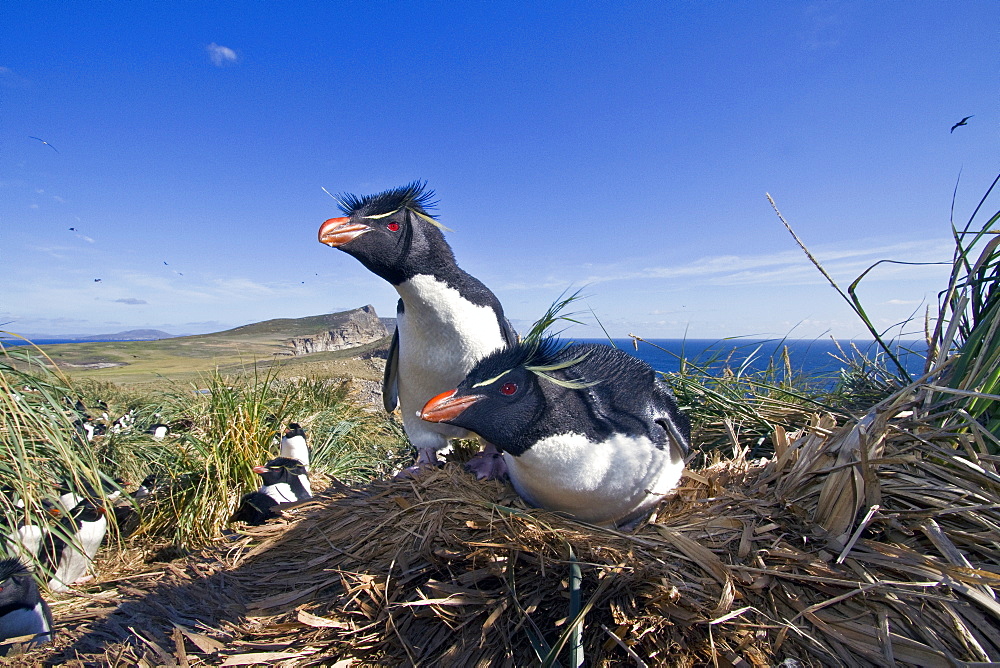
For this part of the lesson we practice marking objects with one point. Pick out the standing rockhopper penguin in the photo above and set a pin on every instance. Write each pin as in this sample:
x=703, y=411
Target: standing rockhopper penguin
x=585, y=429
x=446, y=320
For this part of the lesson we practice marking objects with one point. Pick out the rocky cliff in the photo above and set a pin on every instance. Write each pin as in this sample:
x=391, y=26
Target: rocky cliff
x=355, y=328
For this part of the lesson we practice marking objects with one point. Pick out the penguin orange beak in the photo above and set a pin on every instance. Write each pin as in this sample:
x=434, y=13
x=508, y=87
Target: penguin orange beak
x=338, y=231
x=260, y=469
x=446, y=406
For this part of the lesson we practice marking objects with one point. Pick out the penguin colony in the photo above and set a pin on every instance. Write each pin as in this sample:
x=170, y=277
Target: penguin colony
x=65, y=544
x=586, y=430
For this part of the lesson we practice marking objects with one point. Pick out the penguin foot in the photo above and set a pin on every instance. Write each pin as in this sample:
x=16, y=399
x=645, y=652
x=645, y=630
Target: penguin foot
x=416, y=470
x=426, y=461
x=488, y=464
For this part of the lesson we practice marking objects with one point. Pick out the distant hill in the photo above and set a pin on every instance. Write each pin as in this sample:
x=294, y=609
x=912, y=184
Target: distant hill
x=286, y=328
x=130, y=335
x=130, y=357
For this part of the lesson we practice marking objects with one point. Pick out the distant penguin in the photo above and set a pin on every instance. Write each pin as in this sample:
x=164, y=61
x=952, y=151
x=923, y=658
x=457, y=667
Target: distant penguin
x=446, y=319
x=86, y=524
x=158, y=431
x=293, y=444
x=585, y=429
x=145, y=487
x=124, y=423
x=23, y=612
x=285, y=480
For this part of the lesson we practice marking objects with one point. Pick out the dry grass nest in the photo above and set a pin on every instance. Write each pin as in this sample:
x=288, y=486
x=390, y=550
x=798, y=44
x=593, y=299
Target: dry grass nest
x=870, y=543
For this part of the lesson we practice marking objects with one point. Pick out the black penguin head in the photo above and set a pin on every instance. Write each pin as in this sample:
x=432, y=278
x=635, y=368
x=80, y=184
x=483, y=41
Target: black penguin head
x=390, y=232
x=505, y=396
x=294, y=429
x=515, y=397
x=17, y=586
x=279, y=469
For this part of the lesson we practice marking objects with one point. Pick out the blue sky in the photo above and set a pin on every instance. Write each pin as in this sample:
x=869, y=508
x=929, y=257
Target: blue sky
x=624, y=151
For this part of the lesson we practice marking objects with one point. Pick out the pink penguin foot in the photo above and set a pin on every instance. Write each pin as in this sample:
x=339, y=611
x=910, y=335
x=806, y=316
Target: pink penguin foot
x=488, y=464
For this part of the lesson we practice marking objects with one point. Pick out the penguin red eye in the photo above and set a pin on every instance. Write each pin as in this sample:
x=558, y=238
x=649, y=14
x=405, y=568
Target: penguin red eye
x=392, y=227
x=508, y=389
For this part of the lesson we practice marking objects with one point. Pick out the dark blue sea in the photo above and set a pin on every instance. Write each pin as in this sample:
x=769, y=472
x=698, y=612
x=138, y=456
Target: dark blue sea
x=809, y=357
x=38, y=342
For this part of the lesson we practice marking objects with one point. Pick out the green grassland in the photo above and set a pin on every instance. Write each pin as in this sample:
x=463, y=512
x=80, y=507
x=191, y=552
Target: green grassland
x=186, y=358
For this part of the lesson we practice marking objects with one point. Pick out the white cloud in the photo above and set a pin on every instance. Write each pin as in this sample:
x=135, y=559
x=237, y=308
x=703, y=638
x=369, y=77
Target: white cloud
x=221, y=55
x=793, y=267
x=131, y=300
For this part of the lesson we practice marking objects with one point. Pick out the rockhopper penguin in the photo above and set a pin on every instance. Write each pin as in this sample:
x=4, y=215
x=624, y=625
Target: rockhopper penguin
x=293, y=444
x=585, y=429
x=22, y=610
x=446, y=320
x=285, y=483
x=85, y=524
x=285, y=480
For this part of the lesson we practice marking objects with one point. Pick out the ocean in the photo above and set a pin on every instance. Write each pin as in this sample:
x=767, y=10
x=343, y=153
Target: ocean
x=810, y=357
x=8, y=343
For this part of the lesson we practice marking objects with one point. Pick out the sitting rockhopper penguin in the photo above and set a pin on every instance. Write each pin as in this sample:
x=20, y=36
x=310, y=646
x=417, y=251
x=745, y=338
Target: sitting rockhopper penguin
x=585, y=429
x=22, y=610
x=286, y=483
x=446, y=320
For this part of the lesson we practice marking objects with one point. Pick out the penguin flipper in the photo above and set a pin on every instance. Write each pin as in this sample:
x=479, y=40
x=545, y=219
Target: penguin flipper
x=390, y=382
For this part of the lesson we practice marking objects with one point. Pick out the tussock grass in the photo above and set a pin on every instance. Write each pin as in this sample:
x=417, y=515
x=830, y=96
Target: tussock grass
x=42, y=449
x=221, y=428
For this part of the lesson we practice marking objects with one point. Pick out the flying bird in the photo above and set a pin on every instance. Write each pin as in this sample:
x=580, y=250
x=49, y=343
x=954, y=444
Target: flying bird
x=964, y=121
x=72, y=229
x=584, y=429
x=446, y=319
x=97, y=280
x=46, y=143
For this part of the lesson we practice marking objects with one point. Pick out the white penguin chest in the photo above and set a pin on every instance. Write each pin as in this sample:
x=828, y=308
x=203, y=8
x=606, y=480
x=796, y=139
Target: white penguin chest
x=595, y=482
x=294, y=448
x=442, y=333
x=91, y=534
x=25, y=621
